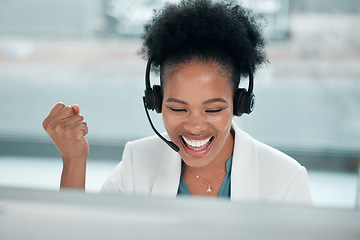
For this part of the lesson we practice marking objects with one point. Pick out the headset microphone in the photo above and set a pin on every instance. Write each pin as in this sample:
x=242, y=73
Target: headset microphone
x=169, y=143
x=153, y=101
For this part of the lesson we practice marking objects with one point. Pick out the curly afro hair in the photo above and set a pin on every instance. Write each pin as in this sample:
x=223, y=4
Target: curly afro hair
x=207, y=30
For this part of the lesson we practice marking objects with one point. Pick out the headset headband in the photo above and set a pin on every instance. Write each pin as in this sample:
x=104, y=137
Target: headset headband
x=148, y=68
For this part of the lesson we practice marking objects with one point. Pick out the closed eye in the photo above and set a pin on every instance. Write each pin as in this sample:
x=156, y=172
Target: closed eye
x=177, y=109
x=214, y=110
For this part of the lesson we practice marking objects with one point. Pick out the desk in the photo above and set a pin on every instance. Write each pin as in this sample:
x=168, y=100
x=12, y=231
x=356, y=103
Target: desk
x=30, y=214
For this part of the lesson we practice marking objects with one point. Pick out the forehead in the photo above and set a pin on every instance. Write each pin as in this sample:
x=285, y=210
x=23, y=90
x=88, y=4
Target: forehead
x=190, y=69
x=197, y=81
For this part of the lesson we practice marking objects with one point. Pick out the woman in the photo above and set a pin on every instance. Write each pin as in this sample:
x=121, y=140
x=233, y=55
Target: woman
x=201, y=49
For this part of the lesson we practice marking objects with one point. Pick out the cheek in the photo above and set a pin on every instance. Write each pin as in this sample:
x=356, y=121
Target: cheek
x=170, y=121
x=222, y=123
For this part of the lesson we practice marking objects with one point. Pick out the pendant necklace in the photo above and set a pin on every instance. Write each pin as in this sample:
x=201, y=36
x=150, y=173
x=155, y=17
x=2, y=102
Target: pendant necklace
x=209, y=190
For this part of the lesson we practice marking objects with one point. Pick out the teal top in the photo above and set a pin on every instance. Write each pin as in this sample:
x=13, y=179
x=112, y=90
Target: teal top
x=225, y=186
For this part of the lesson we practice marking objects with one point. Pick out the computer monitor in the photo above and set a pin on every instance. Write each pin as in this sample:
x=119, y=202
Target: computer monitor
x=31, y=214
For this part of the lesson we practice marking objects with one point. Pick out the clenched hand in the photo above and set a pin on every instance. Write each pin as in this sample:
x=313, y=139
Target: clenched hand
x=67, y=128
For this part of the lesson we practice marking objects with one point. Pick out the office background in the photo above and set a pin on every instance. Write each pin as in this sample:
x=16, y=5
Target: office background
x=85, y=52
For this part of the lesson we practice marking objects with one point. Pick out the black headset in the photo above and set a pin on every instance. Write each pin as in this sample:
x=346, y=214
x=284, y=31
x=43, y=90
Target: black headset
x=244, y=100
x=154, y=95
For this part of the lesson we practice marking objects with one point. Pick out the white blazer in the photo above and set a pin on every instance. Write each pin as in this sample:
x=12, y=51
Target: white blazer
x=259, y=173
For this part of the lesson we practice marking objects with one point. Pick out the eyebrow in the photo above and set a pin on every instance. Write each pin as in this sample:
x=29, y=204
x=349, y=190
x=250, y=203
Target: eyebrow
x=214, y=100
x=176, y=101
x=205, y=102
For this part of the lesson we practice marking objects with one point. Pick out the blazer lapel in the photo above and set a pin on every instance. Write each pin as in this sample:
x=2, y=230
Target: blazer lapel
x=167, y=178
x=244, y=170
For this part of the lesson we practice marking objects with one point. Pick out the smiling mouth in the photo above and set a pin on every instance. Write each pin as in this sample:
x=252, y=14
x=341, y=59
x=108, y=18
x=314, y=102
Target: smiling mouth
x=197, y=145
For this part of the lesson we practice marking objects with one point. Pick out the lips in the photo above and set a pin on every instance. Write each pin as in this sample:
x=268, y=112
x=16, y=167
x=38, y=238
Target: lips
x=197, y=145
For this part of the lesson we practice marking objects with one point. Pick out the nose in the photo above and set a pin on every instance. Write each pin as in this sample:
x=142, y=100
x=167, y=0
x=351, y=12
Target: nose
x=195, y=124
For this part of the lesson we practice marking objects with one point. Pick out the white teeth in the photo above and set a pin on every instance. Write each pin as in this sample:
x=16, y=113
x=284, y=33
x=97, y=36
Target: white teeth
x=196, y=143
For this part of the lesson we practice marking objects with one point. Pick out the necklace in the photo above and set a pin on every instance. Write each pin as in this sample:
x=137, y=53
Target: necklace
x=209, y=190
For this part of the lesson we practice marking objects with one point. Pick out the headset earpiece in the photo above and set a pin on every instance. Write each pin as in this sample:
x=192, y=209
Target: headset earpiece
x=153, y=98
x=244, y=100
x=158, y=98
x=153, y=95
x=238, y=95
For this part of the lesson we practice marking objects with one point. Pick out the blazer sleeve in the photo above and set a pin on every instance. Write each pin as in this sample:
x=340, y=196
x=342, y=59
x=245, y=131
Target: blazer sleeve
x=298, y=191
x=120, y=181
